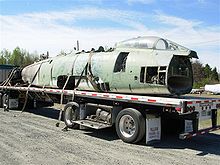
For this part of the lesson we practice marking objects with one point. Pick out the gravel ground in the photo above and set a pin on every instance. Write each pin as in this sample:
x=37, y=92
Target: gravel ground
x=33, y=138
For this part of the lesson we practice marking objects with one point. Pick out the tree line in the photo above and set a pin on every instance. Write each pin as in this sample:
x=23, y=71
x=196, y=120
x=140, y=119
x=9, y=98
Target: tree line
x=18, y=57
x=203, y=74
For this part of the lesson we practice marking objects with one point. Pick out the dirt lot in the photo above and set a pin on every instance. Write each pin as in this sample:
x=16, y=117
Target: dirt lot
x=33, y=138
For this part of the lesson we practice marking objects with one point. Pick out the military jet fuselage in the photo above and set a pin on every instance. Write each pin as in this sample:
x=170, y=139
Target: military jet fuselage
x=143, y=65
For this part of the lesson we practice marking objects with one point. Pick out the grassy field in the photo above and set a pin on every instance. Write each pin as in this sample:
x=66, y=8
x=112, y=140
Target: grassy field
x=207, y=123
x=219, y=117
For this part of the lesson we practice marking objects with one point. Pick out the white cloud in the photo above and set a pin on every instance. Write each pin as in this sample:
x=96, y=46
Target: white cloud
x=42, y=31
x=128, y=18
x=56, y=31
x=176, y=21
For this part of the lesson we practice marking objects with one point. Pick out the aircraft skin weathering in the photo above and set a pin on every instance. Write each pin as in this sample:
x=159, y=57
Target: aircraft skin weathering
x=142, y=65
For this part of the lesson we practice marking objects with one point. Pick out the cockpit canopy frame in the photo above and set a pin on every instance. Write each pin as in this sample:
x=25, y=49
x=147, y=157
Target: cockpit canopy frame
x=151, y=42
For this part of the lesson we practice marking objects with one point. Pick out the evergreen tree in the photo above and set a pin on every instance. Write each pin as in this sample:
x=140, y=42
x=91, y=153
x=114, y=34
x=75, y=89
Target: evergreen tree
x=17, y=57
x=204, y=75
x=208, y=71
x=214, y=75
x=198, y=71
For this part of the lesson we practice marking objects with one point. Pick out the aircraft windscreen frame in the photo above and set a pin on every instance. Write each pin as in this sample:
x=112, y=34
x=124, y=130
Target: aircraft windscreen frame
x=151, y=43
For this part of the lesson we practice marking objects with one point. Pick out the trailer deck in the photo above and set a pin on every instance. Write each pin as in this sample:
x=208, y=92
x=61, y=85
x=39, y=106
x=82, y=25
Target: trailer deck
x=190, y=109
x=168, y=101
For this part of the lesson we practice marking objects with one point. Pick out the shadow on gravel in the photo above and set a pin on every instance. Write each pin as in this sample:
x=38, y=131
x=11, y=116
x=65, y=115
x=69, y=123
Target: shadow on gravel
x=46, y=112
x=106, y=134
x=206, y=144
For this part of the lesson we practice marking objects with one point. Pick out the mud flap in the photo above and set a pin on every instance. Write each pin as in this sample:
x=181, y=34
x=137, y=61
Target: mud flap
x=13, y=104
x=153, y=129
x=188, y=126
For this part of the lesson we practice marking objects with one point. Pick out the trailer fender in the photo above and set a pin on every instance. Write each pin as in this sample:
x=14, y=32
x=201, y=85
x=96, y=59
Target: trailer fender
x=130, y=125
x=71, y=113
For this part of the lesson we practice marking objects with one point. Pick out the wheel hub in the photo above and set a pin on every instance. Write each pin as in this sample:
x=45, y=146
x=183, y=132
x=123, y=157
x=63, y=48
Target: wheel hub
x=127, y=126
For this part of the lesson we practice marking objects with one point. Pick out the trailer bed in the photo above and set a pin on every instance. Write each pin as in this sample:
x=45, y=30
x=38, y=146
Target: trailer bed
x=180, y=103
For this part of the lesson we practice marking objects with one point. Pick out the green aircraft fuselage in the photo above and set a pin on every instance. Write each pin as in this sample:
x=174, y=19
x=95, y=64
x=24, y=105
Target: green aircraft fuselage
x=143, y=65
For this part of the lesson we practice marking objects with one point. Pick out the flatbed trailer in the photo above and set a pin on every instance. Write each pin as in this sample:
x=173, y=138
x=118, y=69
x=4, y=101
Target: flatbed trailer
x=134, y=116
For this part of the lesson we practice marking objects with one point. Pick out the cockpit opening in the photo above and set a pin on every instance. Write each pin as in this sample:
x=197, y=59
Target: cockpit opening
x=180, y=76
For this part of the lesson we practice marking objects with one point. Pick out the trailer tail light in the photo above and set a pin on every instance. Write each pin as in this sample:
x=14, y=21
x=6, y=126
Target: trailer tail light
x=178, y=109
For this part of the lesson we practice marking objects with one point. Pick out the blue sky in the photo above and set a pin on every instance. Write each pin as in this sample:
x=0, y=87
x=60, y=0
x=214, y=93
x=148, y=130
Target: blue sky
x=55, y=25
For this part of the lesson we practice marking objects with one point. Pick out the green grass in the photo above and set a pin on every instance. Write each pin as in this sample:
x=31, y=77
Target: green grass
x=208, y=123
x=218, y=118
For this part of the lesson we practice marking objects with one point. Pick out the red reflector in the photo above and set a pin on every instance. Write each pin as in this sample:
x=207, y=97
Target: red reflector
x=149, y=100
x=119, y=97
x=133, y=98
x=178, y=109
x=189, y=102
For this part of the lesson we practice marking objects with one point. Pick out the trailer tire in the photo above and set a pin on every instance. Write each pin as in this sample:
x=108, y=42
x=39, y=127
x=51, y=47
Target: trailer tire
x=1, y=106
x=5, y=102
x=130, y=125
x=71, y=113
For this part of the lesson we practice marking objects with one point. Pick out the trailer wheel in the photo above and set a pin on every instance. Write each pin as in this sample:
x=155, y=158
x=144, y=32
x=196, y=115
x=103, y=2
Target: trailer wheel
x=130, y=125
x=71, y=113
x=1, y=100
x=5, y=102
